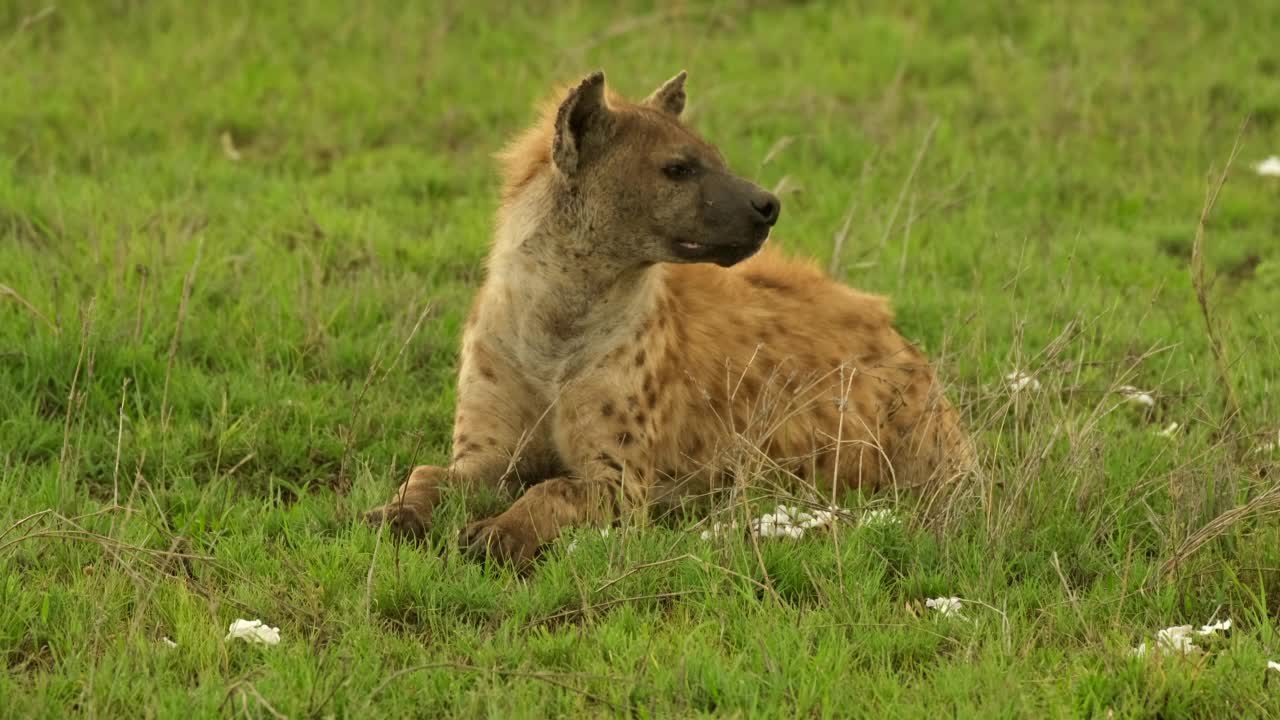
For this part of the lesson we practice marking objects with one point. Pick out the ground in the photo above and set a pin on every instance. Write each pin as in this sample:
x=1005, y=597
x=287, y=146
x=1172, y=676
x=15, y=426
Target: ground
x=237, y=243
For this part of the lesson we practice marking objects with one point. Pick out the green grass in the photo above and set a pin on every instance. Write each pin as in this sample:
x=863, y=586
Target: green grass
x=1048, y=227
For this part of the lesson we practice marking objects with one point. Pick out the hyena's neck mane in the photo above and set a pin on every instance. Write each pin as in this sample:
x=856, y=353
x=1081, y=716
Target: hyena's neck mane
x=566, y=297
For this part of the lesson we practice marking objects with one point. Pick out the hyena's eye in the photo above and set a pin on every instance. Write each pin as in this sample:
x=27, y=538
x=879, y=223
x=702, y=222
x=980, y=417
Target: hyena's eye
x=679, y=170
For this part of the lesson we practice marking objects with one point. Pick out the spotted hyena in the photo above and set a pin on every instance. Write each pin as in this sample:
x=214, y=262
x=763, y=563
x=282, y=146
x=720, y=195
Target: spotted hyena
x=630, y=336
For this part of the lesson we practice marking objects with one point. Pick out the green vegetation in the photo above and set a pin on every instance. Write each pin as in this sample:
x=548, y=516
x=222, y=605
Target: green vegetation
x=221, y=223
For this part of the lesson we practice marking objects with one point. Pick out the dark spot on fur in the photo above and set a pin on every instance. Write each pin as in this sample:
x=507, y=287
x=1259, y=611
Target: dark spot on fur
x=606, y=409
x=487, y=372
x=492, y=442
x=625, y=438
x=857, y=322
x=632, y=402
x=639, y=360
x=609, y=462
x=651, y=398
x=460, y=439
x=640, y=418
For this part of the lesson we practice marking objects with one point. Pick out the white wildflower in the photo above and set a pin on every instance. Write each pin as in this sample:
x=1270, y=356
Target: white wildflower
x=253, y=631
x=879, y=518
x=718, y=529
x=1136, y=396
x=1177, y=639
x=947, y=606
x=1019, y=381
x=1181, y=638
x=791, y=522
x=1169, y=430
x=1273, y=665
x=1270, y=166
x=167, y=642
x=1212, y=628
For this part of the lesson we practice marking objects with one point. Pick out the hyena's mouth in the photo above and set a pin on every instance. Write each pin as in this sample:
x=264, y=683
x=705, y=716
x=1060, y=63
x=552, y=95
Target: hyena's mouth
x=723, y=255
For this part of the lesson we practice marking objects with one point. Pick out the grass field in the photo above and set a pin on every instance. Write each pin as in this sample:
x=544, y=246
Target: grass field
x=238, y=240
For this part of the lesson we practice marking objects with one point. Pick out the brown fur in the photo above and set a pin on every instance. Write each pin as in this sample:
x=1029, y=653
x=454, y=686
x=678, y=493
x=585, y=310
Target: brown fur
x=605, y=371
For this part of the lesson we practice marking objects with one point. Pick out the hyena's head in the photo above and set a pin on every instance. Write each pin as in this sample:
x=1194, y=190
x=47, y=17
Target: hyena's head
x=641, y=186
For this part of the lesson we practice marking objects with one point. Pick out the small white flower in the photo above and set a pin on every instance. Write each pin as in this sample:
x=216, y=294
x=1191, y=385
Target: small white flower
x=1270, y=166
x=718, y=529
x=1213, y=627
x=253, y=631
x=1177, y=639
x=1273, y=665
x=1169, y=430
x=1136, y=396
x=1181, y=638
x=879, y=518
x=1019, y=381
x=784, y=522
x=947, y=606
x=167, y=642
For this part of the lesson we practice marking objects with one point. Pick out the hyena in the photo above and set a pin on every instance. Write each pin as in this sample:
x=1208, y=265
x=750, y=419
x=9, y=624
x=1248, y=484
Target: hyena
x=629, y=335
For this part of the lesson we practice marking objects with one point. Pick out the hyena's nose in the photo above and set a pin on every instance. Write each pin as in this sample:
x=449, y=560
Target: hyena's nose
x=767, y=207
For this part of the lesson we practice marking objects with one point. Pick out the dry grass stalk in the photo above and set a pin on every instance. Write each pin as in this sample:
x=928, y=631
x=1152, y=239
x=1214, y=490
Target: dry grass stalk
x=1202, y=290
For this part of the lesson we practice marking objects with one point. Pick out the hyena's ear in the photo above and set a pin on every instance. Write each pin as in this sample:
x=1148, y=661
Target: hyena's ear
x=670, y=97
x=583, y=123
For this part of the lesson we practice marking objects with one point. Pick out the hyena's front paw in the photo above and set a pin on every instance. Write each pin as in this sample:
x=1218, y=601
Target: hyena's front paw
x=501, y=539
x=408, y=514
x=402, y=520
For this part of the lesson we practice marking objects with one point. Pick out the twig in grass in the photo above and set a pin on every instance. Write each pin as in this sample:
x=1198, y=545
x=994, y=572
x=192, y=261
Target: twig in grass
x=143, y=273
x=24, y=521
x=698, y=561
x=906, y=184
x=27, y=22
x=115, y=472
x=6, y=291
x=240, y=464
x=1005, y=628
x=368, y=580
x=187, y=283
x=344, y=483
x=837, y=246
x=104, y=541
x=1266, y=503
x=549, y=678
x=1066, y=586
x=86, y=327
x=633, y=23
x=239, y=686
x=906, y=237
x=586, y=608
x=1198, y=282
